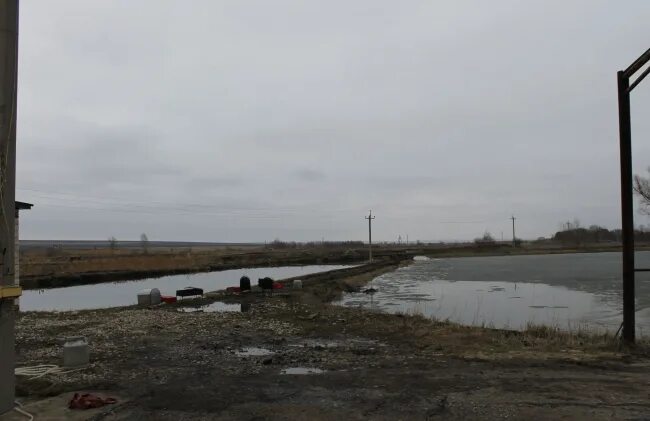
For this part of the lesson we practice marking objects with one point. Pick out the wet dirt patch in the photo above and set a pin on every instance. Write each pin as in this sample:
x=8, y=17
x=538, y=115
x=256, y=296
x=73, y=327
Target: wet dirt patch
x=254, y=352
x=297, y=371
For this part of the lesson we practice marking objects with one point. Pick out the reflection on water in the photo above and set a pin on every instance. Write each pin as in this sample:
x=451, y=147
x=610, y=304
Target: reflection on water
x=114, y=294
x=571, y=291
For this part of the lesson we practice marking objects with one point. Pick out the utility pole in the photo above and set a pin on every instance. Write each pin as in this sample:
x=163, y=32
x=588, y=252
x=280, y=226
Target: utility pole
x=514, y=239
x=370, y=218
x=8, y=291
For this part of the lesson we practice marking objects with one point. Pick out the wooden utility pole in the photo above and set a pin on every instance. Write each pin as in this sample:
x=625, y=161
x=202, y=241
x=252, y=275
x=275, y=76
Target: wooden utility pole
x=514, y=239
x=8, y=292
x=370, y=218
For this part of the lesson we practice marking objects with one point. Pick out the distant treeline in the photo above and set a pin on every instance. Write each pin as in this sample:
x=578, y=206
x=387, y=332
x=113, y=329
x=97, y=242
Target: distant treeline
x=277, y=244
x=597, y=234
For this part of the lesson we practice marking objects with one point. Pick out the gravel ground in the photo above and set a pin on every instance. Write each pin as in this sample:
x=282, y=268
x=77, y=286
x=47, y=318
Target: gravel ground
x=196, y=365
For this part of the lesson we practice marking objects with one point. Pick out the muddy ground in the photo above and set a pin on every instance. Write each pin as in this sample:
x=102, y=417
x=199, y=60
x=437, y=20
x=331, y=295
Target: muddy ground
x=175, y=365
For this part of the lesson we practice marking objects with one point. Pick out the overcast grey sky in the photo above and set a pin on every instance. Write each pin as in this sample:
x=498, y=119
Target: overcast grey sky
x=247, y=120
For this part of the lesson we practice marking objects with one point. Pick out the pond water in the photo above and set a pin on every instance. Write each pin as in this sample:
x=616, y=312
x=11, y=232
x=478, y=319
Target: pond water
x=115, y=294
x=571, y=291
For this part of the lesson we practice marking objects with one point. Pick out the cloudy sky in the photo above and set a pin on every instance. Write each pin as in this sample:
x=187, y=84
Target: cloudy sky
x=241, y=120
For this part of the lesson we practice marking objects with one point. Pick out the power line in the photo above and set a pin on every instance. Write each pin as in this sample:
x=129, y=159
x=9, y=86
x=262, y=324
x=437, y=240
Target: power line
x=162, y=211
x=190, y=208
x=59, y=199
x=148, y=203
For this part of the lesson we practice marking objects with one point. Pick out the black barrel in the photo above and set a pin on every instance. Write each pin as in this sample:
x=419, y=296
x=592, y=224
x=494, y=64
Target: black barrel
x=244, y=283
x=265, y=283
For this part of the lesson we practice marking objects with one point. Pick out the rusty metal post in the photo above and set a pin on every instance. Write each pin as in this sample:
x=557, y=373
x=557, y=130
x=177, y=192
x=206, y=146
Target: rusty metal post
x=627, y=206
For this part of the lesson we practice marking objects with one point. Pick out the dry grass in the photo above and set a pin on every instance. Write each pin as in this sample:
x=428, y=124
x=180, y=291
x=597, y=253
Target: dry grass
x=53, y=263
x=535, y=342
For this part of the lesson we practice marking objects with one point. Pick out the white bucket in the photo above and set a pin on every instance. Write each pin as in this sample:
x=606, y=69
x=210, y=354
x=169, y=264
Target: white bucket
x=75, y=351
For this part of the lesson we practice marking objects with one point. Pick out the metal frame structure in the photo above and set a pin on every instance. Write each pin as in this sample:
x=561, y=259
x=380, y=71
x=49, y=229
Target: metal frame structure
x=627, y=199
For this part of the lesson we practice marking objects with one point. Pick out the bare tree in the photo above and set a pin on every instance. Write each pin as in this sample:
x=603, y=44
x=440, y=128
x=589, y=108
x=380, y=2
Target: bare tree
x=112, y=243
x=642, y=189
x=486, y=240
x=144, y=242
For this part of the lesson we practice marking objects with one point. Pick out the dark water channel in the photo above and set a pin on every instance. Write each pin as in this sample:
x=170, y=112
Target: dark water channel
x=572, y=291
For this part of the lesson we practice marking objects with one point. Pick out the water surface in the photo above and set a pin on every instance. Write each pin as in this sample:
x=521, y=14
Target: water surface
x=572, y=291
x=115, y=294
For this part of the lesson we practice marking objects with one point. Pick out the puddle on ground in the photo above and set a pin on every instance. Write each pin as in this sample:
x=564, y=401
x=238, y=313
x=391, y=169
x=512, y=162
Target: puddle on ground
x=317, y=344
x=301, y=370
x=421, y=258
x=254, y=352
x=335, y=343
x=217, y=306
